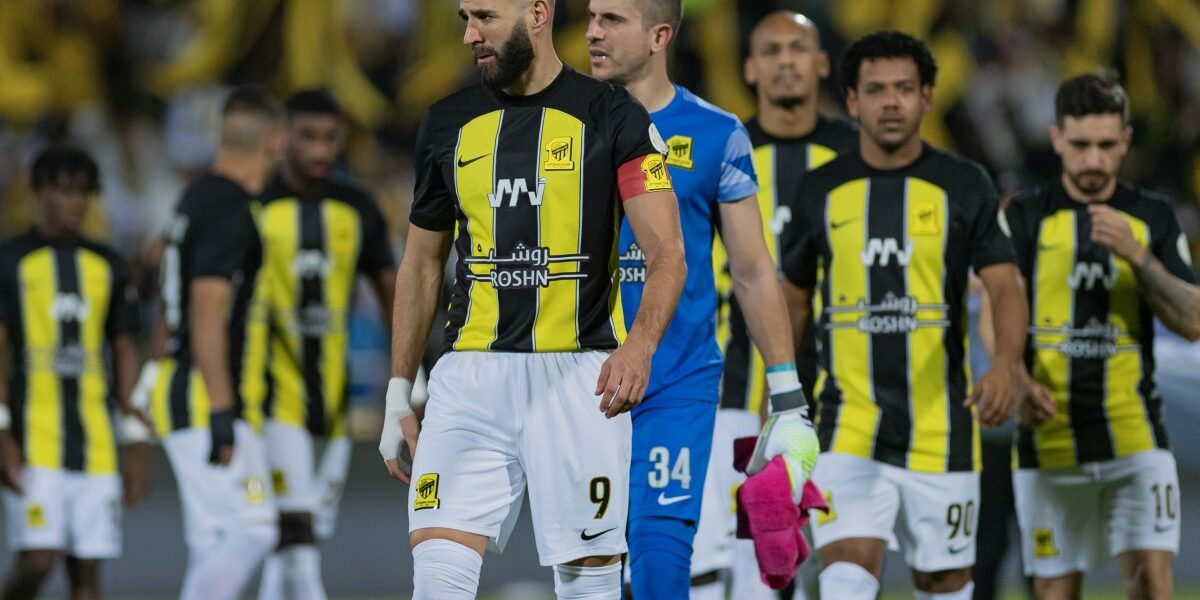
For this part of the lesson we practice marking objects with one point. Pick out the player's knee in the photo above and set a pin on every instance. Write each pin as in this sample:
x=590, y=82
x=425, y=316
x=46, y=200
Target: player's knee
x=35, y=565
x=260, y=537
x=84, y=578
x=661, y=553
x=296, y=528
x=942, y=582
x=444, y=569
x=847, y=581
x=578, y=581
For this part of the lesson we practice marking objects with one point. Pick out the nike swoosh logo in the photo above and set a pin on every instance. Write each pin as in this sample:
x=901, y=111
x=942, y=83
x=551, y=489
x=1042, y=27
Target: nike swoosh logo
x=833, y=225
x=663, y=500
x=462, y=163
x=959, y=550
x=583, y=535
x=1162, y=528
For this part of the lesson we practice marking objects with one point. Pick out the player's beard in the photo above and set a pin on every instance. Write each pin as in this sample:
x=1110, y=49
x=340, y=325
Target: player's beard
x=1090, y=182
x=512, y=61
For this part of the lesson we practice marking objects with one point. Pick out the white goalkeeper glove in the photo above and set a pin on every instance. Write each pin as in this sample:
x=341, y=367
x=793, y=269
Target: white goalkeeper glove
x=787, y=432
x=391, y=439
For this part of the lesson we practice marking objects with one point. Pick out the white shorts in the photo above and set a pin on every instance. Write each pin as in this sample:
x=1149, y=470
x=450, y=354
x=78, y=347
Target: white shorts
x=713, y=548
x=498, y=421
x=1075, y=519
x=298, y=486
x=219, y=498
x=931, y=516
x=70, y=511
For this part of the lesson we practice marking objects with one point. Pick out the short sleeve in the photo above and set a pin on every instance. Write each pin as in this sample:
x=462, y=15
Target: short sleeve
x=800, y=243
x=738, y=179
x=123, y=304
x=376, y=252
x=1171, y=248
x=633, y=135
x=433, y=206
x=220, y=241
x=990, y=231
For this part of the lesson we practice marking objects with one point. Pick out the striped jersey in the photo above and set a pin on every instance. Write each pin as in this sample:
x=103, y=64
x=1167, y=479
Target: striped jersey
x=529, y=184
x=213, y=234
x=314, y=248
x=1091, y=335
x=781, y=164
x=62, y=303
x=889, y=252
x=709, y=160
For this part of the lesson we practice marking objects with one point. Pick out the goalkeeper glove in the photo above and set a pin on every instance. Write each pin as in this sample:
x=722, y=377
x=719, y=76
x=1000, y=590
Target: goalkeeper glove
x=787, y=431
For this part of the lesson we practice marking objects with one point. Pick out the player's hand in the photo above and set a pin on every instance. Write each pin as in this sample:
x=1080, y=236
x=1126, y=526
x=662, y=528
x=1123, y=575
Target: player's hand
x=133, y=473
x=995, y=395
x=1111, y=230
x=11, y=461
x=401, y=428
x=221, y=428
x=1038, y=405
x=623, y=378
x=789, y=434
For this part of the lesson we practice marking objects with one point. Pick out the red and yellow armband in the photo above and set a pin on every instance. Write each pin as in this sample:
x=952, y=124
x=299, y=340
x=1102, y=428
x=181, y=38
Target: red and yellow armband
x=643, y=175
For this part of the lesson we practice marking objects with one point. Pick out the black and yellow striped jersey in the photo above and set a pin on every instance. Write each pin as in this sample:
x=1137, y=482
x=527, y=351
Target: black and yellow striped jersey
x=530, y=184
x=889, y=253
x=780, y=163
x=213, y=234
x=314, y=248
x=1091, y=336
x=63, y=303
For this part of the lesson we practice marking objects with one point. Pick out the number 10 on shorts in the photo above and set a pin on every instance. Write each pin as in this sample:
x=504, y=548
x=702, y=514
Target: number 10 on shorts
x=663, y=471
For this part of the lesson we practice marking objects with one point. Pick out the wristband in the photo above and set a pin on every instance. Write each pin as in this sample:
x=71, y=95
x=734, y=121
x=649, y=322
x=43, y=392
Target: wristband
x=784, y=386
x=5, y=417
x=134, y=431
x=397, y=401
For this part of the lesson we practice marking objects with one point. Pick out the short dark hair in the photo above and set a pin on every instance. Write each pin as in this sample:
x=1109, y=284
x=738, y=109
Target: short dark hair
x=1090, y=94
x=252, y=99
x=887, y=44
x=318, y=101
x=64, y=165
x=661, y=11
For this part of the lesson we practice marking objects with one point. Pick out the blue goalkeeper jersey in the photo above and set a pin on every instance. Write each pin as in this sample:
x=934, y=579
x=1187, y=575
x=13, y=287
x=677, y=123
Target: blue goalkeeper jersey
x=710, y=161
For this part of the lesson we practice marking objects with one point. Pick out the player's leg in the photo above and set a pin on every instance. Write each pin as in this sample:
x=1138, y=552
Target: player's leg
x=578, y=466
x=294, y=569
x=853, y=537
x=467, y=483
x=939, y=516
x=37, y=526
x=672, y=440
x=1059, y=517
x=94, y=512
x=1142, y=493
x=229, y=514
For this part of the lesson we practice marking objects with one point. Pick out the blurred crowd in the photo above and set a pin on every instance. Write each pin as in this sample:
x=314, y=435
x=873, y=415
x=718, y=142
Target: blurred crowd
x=139, y=82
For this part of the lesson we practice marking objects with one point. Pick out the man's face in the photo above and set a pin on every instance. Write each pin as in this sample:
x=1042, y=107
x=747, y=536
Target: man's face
x=1091, y=148
x=786, y=63
x=619, y=44
x=64, y=203
x=499, y=39
x=314, y=142
x=889, y=101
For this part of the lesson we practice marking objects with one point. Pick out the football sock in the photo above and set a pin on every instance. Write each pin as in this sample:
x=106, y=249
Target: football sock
x=660, y=552
x=587, y=583
x=848, y=581
x=219, y=570
x=445, y=570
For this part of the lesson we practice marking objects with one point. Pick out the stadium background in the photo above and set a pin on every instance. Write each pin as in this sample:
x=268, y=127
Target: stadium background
x=139, y=83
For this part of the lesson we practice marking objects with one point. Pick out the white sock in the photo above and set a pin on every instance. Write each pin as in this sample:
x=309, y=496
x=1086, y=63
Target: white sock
x=708, y=591
x=302, y=572
x=270, y=585
x=445, y=570
x=848, y=581
x=587, y=583
x=219, y=571
x=965, y=593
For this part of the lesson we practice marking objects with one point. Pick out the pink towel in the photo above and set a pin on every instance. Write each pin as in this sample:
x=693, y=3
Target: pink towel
x=766, y=514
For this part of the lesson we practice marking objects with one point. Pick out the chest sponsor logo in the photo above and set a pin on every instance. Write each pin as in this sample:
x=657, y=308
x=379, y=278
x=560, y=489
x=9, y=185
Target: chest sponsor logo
x=1087, y=275
x=70, y=308
x=893, y=314
x=512, y=190
x=1096, y=339
x=523, y=268
x=881, y=252
x=679, y=152
x=311, y=264
x=780, y=219
x=560, y=154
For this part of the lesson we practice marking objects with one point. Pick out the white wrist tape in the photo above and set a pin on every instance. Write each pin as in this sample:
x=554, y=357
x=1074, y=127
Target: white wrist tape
x=5, y=417
x=140, y=398
x=134, y=431
x=396, y=407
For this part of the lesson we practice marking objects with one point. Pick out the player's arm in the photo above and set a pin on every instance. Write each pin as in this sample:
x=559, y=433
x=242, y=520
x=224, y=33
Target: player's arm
x=134, y=429
x=1174, y=300
x=799, y=308
x=999, y=389
x=383, y=284
x=10, y=451
x=418, y=288
x=654, y=218
x=208, y=304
